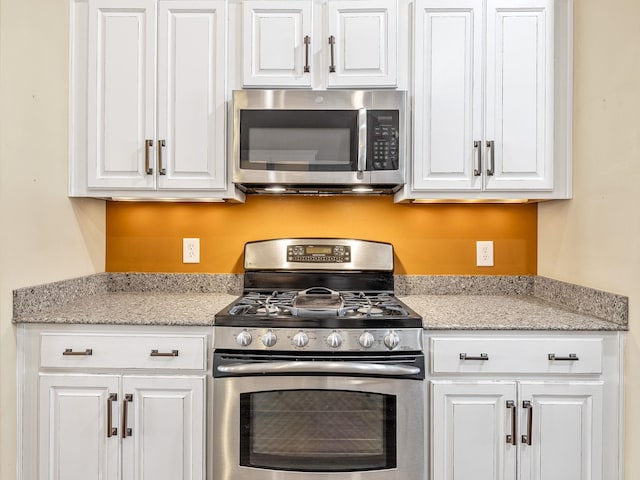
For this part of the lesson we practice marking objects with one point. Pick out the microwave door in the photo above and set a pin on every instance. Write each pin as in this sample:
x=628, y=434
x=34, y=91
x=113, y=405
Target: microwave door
x=302, y=147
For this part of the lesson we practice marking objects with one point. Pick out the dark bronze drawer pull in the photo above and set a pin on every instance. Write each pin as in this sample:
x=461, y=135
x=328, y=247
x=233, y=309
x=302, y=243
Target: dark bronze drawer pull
x=69, y=351
x=571, y=357
x=483, y=356
x=156, y=353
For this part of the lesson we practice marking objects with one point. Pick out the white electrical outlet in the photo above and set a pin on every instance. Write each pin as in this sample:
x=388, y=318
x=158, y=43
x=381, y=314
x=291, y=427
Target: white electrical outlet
x=484, y=253
x=190, y=250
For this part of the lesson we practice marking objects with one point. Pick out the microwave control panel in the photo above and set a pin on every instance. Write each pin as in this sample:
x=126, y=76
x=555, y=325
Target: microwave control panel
x=383, y=130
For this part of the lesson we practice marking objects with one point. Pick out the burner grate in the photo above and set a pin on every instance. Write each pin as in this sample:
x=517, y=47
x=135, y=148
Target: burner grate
x=354, y=304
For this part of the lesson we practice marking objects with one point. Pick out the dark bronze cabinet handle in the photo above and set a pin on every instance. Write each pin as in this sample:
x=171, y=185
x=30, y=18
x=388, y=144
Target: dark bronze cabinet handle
x=477, y=167
x=161, y=169
x=483, y=356
x=147, y=167
x=111, y=430
x=126, y=432
x=156, y=353
x=86, y=352
x=307, y=42
x=511, y=439
x=526, y=404
x=332, y=42
x=571, y=357
x=491, y=158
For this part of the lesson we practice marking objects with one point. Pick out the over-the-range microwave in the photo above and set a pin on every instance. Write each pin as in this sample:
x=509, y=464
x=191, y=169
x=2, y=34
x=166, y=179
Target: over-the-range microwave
x=319, y=142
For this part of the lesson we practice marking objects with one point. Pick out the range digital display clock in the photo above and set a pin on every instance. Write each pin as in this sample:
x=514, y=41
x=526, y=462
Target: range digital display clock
x=319, y=253
x=312, y=250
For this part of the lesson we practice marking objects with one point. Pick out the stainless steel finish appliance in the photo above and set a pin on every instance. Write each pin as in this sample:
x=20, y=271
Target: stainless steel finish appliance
x=336, y=141
x=318, y=368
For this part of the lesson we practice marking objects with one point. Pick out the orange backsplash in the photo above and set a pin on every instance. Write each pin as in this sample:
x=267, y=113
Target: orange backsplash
x=428, y=239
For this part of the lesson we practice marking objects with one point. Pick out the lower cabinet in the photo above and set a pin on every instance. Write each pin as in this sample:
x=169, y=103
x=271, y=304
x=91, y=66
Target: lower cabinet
x=99, y=420
x=507, y=406
x=554, y=429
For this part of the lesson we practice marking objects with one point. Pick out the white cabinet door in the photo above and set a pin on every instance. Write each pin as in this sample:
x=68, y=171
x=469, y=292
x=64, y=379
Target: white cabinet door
x=191, y=97
x=120, y=93
x=470, y=424
x=166, y=418
x=566, y=431
x=361, y=43
x=277, y=43
x=73, y=437
x=483, y=102
x=447, y=109
x=519, y=95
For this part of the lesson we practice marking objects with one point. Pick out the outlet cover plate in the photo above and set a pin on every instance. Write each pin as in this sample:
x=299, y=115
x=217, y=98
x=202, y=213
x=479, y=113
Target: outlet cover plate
x=484, y=253
x=190, y=250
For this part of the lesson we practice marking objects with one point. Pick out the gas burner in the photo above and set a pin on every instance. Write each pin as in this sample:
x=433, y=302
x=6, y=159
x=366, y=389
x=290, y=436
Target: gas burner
x=370, y=310
x=267, y=310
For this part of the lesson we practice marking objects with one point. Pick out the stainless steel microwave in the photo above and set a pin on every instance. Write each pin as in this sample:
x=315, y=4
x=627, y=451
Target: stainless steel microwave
x=315, y=142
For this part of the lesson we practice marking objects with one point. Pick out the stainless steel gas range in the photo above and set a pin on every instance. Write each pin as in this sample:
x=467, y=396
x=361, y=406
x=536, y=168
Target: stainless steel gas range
x=318, y=368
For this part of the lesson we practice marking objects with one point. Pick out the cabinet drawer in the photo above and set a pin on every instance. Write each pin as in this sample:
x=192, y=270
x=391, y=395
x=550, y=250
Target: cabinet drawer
x=182, y=352
x=514, y=355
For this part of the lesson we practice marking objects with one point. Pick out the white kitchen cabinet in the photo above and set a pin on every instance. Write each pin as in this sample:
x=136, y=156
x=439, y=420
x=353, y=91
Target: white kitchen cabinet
x=566, y=431
x=276, y=38
x=92, y=417
x=475, y=435
x=531, y=418
x=469, y=429
x=148, y=98
x=362, y=43
x=73, y=438
x=491, y=84
x=167, y=422
x=299, y=43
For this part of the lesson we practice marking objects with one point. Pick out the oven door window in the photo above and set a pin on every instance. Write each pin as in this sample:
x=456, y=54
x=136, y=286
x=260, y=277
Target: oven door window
x=318, y=430
x=299, y=140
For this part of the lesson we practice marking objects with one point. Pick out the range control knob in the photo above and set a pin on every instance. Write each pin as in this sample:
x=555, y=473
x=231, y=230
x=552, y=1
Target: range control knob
x=366, y=340
x=334, y=340
x=300, y=339
x=244, y=338
x=391, y=340
x=269, y=339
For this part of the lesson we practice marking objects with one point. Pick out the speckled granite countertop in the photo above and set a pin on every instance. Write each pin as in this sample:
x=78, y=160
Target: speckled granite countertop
x=484, y=312
x=128, y=299
x=445, y=302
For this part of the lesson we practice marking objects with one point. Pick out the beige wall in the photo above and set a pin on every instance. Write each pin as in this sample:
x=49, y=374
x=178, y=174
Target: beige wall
x=594, y=239
x=44, y=236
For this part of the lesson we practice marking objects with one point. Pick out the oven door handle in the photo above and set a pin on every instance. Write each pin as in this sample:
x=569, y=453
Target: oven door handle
x=358, y=368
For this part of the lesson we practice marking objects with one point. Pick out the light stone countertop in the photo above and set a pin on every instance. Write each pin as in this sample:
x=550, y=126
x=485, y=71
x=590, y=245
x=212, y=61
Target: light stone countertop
x=136, y=308
x=444, y=302
x=489, y=312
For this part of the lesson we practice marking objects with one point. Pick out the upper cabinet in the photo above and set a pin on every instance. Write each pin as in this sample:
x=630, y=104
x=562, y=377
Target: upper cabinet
x=276, y=41
x=148, y=98
x=307, y=44
x=491, y=102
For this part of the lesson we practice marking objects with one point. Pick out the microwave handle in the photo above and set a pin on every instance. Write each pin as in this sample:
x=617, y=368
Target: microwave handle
x=362, y=139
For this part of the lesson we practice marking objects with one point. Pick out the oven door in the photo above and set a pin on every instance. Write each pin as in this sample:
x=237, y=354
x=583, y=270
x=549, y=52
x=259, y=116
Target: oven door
x=338, y=420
